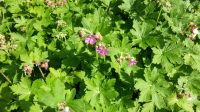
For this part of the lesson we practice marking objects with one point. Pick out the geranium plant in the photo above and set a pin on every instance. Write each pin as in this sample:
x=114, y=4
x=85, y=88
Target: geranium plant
x=99, y=55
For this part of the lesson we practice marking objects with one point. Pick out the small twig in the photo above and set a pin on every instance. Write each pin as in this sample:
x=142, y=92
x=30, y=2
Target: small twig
x=6, y=78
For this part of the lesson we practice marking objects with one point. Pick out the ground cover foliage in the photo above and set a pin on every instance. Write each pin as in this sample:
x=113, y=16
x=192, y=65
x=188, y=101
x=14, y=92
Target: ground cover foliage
x=99, y=55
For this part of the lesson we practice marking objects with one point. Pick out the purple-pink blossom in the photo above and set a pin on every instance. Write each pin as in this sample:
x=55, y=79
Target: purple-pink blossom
x=90, y=40
x=102, y=50
x=132, y=62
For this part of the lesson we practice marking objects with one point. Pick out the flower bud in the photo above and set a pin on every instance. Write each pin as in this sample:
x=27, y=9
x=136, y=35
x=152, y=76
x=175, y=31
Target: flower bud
x=27, y=69
x=102, y=50
x=81, y=33
x=194, y=30
x=98, y=36
x=37, y=62
x=45, y=65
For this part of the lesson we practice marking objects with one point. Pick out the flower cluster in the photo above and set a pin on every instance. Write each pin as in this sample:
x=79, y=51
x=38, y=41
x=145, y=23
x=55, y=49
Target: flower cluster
x=2, y=42
x=61, y=23
x=62, y=107
x=57, y=3
x=7, y=43
x=45, y=64
x=92, y=39
x=102, y=50
x=131, y=60
x=189, y=95
x=61, y=35
x=28, y=69
x=194, y=30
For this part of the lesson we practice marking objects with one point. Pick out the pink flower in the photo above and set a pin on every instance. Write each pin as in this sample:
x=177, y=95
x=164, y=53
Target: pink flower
x=132, y=62
x=45, y=65
x=102, y=50
x=90, y=40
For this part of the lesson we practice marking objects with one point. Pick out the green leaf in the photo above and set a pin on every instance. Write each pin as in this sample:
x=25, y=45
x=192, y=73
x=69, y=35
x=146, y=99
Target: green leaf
x=79, y=105
x=38, y=25
x=51, y=94
x=141, y=29
x=113, y=51
x=168, y=56
x=93, y=89
x=6, y=96
x=158, y=100
x=39, y=10
x=192, y=54
x=20, y=22
x=100, y=89
x=2, y=56
x=141, y=34
x=35, y=108
x=172, y=99
x=55, y=73
x=46, y=98
x=26, y=59
x=192, y=60
x=154, y=89
x=18, y=37
x=175, y=24
x=187, y=106
x=23, y=89
x=58, y=90
x=97, y=22
x=145, y=90
x=193, y=83
x=52, y=46
x=36, y=85
x=125, y=45
x=151, y=75
x=126, y=5
x=70, y=95
x=91, y=21
x=14, y=5
x=150, y=8
x=106, y=2
x=71, y=61
x=148, y=107
x=114, y=64
x=108, y=89
x=38, y=55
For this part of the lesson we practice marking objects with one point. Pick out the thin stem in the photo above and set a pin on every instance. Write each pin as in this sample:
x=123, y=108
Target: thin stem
x=41, y=72
x=158, y=16
x=6, y=78
x=8, y=28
